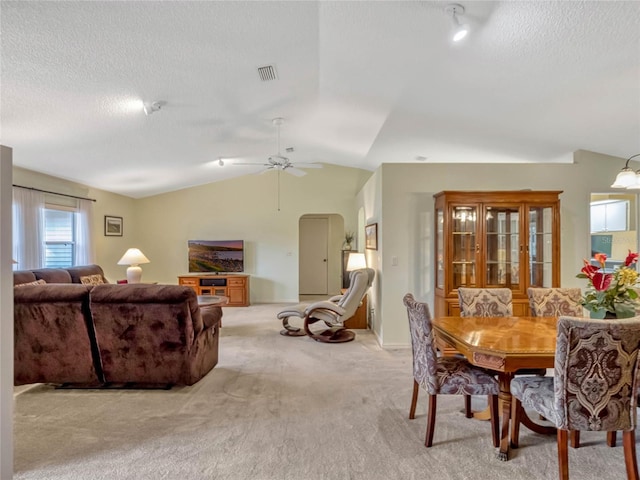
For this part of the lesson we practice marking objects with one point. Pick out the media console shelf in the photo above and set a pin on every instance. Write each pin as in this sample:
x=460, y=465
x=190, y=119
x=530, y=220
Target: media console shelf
x=233, y=286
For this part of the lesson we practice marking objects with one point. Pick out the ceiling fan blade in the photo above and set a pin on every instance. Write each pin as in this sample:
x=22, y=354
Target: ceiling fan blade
x=295, y=171
x=307, y=165
x=265, y=170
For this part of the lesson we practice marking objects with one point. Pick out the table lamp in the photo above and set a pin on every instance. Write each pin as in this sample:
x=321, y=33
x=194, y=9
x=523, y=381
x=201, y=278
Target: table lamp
x=356, y=261
x=133, y=257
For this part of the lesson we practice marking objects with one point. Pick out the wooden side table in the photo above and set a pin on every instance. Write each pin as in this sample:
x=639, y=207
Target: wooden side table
x=359, y=319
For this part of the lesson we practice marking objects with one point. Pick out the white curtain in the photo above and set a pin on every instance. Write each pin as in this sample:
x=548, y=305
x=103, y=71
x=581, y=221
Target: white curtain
x=84, y=254
x=28, y=228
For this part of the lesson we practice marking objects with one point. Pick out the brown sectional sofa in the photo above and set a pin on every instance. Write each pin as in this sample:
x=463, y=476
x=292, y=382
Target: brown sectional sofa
x=107, y=334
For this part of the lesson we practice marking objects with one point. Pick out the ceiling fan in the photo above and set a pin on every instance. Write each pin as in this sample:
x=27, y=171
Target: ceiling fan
x=280, y=162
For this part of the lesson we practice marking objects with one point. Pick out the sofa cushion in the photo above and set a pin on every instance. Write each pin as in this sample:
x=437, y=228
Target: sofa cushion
x=85, y=270
x=96, y=279
x=152, y=333
x=53, y=275
x=23, y=276
x=54, y=340
x=35, y=282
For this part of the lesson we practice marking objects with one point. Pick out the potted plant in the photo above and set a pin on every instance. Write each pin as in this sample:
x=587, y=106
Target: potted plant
x=348, y=239
x=611, y=295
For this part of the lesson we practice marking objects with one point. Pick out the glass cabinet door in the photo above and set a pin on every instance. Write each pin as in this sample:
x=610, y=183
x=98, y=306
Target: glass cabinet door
x=503, y=247
x=465, y=246
x=541, y=246
x=439, y=248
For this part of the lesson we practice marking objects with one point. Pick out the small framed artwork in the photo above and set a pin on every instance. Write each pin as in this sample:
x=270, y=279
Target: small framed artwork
x=371, y=236
x=112, y=226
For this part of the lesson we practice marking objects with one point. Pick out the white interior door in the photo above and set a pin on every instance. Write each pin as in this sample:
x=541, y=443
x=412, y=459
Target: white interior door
x=314, y=250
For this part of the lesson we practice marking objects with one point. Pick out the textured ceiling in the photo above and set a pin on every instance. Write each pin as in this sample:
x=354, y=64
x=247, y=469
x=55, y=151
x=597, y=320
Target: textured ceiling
x=360, y=83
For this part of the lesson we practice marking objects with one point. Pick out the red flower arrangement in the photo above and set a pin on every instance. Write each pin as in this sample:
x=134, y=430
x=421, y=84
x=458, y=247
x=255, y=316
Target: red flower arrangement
x=611, y=292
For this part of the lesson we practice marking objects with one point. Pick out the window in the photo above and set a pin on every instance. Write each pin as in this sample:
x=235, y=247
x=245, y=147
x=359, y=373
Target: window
x=59, y=237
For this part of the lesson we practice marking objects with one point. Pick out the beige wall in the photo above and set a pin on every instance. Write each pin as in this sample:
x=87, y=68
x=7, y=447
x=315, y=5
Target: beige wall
x=405, y=194
x=245, y=208
x=399, y=197
x=108, y=249
x=242, y=208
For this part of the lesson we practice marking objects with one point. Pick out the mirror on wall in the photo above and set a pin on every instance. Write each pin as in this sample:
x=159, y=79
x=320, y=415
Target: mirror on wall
x=613, y=220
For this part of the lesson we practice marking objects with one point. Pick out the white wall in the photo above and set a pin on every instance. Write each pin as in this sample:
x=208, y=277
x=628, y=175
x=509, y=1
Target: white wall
x=406, y=222
x=6, y=318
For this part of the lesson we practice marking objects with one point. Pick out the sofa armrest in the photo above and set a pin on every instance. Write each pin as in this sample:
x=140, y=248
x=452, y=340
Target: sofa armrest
x=211, y=315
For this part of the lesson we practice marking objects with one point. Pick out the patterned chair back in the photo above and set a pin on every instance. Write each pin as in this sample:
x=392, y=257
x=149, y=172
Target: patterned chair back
x=422, y=343
x=596, y=373
x=553, y=302
x=485, y=302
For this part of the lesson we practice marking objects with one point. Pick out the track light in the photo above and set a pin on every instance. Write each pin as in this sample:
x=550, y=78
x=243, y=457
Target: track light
x=627, y=178
x=460, y=31
x=149, y=108
x=220, y=162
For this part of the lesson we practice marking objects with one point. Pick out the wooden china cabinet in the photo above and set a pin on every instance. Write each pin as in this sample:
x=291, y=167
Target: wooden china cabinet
x=495, y=240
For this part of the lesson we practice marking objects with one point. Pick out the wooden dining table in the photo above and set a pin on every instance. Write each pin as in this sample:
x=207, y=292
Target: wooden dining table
x=504, y=345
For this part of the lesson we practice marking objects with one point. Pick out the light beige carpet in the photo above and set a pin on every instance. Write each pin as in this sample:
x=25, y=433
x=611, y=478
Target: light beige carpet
x=279, y=408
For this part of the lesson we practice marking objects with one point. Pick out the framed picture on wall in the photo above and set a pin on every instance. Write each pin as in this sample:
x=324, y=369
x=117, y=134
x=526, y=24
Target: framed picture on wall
x=371, y=236
x=112, y=226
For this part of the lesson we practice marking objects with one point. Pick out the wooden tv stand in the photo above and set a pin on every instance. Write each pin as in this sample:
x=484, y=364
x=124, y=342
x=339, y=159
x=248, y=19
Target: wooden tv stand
x=234, y=286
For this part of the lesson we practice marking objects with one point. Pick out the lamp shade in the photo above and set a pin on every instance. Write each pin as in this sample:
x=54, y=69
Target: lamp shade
x=356, y=261
x=627, y=178
x=133, y=256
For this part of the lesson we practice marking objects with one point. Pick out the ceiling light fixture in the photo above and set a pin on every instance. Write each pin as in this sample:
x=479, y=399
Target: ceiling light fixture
x=460, y=31
x=627, y=178
x=149, y=108
x=220, y=162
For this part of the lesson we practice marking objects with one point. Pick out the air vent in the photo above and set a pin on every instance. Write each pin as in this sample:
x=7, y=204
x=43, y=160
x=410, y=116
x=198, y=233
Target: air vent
x=267, y=73
x=289, y=149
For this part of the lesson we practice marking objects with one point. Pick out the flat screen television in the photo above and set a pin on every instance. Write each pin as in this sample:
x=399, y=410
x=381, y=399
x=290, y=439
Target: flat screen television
x=216, y=256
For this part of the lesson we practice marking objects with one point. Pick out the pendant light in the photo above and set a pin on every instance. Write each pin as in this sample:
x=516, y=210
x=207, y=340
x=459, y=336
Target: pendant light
x=627, y=177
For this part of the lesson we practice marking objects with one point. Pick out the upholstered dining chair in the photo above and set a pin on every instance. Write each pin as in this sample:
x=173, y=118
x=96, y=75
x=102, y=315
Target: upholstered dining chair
x=489, y=302
x=485, y=302
x=553, y=302
x=332, y=312
x=594, y=387
x=443, y=375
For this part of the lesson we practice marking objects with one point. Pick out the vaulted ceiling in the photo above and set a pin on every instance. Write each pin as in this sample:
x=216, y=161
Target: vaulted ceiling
x=358, y=84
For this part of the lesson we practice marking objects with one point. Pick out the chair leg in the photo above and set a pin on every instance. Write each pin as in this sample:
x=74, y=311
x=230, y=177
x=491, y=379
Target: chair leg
x=630, y=460
x=574, y=438
x=563, y=454
x=431, y=420
x=414, y=400
x=495, y=420
x=611, y=438
x=467, y=406
x=516, y=407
